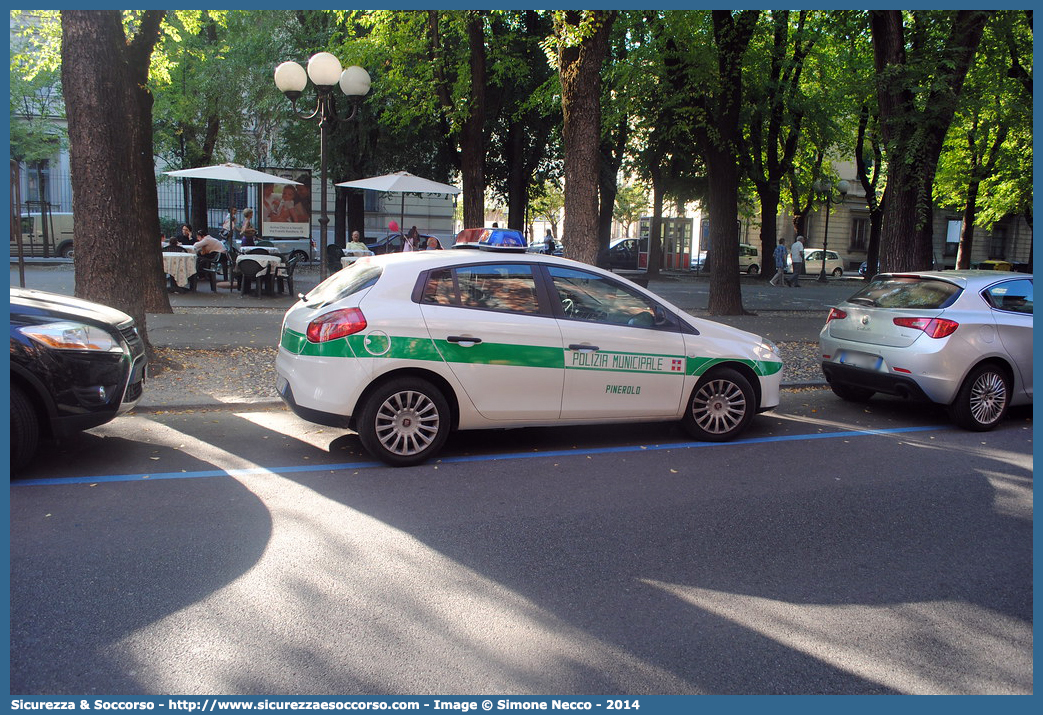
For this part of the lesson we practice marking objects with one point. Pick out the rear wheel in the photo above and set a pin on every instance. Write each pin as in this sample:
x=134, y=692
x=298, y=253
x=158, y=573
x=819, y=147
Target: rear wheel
x=404, y=422
x=983, y=399
x=838, y=272
x=299, y=255
x=720, y=407
x=25, y=428
x=66, y=250
x=851, y=393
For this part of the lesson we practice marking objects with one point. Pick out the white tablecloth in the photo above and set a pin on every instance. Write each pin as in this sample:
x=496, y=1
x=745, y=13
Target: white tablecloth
x=269, y=263
x=180, y=266
x=350, y=257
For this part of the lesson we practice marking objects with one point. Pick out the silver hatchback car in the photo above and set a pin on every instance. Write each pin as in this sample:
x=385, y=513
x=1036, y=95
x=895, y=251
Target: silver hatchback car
x=957, y=338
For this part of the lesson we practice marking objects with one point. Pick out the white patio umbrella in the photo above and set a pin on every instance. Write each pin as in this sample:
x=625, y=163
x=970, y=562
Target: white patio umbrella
x=404, y=183
x=232, y=172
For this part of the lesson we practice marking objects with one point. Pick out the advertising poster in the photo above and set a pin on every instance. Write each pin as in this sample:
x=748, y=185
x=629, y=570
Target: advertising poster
x=286, y=208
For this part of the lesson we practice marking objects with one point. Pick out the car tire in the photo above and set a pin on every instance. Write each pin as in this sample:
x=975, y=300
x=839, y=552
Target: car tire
x=404, y=422
x=983, y=399
x=720, y=407
x=851, y=393
x=25, y=428
x=838, y=272
x=66, y=250
x=753, y=270
x=299, y=254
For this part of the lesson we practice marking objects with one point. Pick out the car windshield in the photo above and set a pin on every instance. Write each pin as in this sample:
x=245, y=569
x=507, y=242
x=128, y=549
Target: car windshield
x=359, y=275
x=907, y=292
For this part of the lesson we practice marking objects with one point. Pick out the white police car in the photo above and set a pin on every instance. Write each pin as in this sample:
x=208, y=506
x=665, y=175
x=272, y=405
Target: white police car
x=404, y=348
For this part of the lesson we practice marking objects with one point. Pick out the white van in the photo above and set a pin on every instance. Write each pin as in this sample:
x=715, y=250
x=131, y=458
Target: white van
x=749, y=259
x=59, y=232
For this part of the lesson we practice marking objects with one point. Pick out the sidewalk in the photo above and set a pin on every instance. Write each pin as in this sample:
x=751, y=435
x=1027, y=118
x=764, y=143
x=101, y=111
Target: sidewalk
x=225, y=343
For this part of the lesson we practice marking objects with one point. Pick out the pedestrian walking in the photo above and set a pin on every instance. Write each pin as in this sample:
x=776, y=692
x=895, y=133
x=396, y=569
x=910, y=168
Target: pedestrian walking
x=796, y=252
x=780, y=262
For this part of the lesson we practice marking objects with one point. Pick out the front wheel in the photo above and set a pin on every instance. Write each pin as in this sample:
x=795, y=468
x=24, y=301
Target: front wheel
x=753, y=270
x=66, y=250
x=983, y=399
x=720, y=407
x=25, y=428
x=404, y=422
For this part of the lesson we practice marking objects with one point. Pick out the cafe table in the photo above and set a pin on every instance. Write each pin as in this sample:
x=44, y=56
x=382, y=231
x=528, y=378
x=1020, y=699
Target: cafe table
x=179, y=266
x=352, y=255
x=269, y=264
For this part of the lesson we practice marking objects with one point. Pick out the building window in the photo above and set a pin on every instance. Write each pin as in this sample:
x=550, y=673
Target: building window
x=998, y=242
x=859, y=234
x=37, y=179
x=952, y=237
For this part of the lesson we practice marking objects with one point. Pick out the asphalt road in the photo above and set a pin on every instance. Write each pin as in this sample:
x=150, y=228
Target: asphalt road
x=837, y=548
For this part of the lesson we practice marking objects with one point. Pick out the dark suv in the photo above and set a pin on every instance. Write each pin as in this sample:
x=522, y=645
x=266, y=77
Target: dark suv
x=74, y=365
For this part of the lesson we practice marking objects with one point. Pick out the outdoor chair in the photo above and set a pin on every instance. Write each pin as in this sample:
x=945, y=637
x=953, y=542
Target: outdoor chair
x=206, y=269
x=284, y=274
x=333, y=255
x=251, y=272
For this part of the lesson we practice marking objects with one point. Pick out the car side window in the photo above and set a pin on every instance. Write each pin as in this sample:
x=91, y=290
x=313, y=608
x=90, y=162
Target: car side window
x=587, y=296
x=507, y=288
x=1010, y=296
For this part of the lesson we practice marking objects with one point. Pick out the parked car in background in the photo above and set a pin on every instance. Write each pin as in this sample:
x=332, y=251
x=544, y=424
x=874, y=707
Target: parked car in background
x=699, y=261
x=541, y=247
x=623, y=253
x=59, y=236
x=749, y=259
x=74, y=365
x=405, y=350
x=813, y=262
x=958, y=338
x=995, y=265
x=392, y=243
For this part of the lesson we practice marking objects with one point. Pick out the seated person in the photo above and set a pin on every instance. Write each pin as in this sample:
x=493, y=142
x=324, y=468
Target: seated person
x=207, y=244
x=174, y=246
x=249, y=237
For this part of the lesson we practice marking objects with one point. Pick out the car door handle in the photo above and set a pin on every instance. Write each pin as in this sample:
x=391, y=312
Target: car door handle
x=584, y=348
x=463, y=339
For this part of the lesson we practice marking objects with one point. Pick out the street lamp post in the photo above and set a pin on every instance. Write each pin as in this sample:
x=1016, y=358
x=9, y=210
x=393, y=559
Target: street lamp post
x=825, y=186
x=325, y=72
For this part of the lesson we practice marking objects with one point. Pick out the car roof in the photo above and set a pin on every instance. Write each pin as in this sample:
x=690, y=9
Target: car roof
x=967, y=278
x=423, y=260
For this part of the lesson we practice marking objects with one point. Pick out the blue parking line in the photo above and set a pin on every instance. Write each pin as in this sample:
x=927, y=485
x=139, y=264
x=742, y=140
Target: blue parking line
x=304, y=468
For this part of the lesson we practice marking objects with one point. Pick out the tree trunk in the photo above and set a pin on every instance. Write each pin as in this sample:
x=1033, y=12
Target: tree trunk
x=769, y=195
x=655, y=230
x=914, y=136
x=117, y=258
x=579, y=65
x=518, y=177
x=970, y=210
x=721, y=146
x=472, y=141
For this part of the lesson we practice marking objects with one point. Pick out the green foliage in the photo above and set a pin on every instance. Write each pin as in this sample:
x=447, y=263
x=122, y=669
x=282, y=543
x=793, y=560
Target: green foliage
x=35, y=86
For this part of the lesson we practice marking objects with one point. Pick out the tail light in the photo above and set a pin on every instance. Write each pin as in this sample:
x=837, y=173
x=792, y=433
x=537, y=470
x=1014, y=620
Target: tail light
x=933, y=327
x=336, y=324
x=835, y=314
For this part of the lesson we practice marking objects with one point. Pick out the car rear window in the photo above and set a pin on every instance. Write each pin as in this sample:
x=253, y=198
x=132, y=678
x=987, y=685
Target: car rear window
x=508, y=287
x=907, y=292
x=359, y=275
